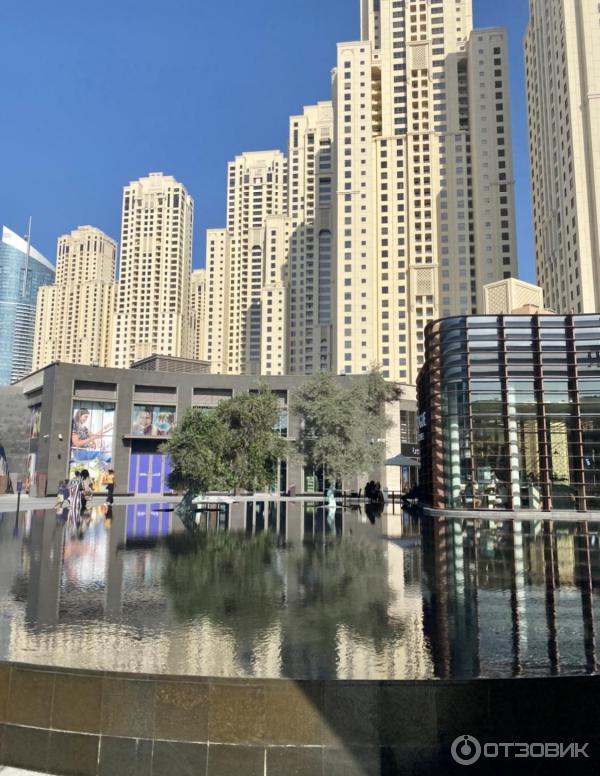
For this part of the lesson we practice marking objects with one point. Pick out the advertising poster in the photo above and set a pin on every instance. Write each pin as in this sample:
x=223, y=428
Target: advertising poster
x=152, y=420
x=92, y=439
x=30, y=476
x=36, y=421
x=3, y=463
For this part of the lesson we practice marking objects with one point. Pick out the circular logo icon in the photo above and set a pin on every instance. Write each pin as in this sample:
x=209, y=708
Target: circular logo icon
x=466, y=750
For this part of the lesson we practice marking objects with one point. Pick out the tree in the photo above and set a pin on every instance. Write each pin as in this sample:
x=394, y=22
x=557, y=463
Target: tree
x=236, y=445
x=343, y=427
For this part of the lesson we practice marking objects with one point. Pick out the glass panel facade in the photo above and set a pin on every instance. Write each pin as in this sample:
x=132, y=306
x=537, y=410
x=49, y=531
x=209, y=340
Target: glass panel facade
x=20, y=280
x=510, y=413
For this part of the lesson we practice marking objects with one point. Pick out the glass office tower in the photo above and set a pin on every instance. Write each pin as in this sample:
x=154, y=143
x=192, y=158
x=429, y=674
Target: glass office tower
x=509, y=413
x=20, y=278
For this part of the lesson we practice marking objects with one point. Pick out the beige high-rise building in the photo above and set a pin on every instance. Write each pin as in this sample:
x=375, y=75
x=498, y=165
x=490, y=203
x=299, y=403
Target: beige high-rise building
x=563, y=85
x=398, y=200
x=256, y=189
x=73, y=316
x=198, y=313
x=425, y=204
x=269, y=274
x=310, y=259
x=216, y=331
x=153, y=311
x=274, y=298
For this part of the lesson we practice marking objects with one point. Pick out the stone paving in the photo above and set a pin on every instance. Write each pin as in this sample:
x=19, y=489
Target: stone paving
x=6, y=771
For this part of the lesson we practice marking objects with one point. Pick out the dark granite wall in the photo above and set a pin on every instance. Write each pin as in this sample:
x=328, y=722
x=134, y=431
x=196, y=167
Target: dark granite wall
x=14, y=427
x=76, y=723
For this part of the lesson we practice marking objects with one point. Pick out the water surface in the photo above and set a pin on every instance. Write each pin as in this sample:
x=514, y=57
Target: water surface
x=293, y=590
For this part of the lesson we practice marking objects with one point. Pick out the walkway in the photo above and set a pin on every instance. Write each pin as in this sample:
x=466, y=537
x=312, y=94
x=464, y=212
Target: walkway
x=8, y=503
x=6, y=771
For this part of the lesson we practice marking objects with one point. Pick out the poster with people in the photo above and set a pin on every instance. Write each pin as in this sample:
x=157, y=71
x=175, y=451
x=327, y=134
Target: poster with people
x=30, y=475
x=152, y=420
x=92, y=440
x=36, y=421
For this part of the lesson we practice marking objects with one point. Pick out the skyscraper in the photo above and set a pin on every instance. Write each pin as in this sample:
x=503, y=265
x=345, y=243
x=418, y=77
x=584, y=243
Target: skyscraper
x=216, y=331
x=256, y=189
x=269, y=274
x=198, y=312
x=153, y=313
x=424, y=194
x=74, y=316
x=23, y=271
x=563, y=83
x=274, y=297
x=310, y=212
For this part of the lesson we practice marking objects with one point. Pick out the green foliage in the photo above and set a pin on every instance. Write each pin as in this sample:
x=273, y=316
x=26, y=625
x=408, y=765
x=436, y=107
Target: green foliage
x=343, y=426
x=233, y=446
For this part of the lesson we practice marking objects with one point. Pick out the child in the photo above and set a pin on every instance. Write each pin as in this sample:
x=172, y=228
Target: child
x=62, y=493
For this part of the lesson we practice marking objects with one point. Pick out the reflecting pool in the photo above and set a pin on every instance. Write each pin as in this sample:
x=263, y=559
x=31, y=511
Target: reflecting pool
x=298, y=590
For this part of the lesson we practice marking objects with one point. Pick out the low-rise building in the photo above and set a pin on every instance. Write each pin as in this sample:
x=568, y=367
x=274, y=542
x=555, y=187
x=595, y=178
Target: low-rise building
x=100, y=418
x=509, y=413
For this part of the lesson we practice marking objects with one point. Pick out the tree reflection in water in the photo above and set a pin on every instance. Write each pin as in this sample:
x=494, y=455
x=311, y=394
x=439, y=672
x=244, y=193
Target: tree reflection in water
x=249, y=584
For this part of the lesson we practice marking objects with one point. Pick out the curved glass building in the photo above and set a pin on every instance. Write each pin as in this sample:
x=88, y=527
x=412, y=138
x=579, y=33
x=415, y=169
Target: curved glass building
x=20, y=278
x=509, y=413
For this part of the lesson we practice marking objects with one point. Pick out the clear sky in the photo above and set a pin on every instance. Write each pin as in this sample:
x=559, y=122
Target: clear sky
x=96, y=93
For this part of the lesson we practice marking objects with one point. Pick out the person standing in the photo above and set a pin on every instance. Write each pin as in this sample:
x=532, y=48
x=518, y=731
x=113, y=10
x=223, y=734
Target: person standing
x=86, y=488
x=75, y=493
x=110, y=486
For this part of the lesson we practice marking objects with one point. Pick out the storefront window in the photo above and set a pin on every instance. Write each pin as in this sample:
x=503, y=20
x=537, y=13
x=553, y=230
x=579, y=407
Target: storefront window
x=283, y=423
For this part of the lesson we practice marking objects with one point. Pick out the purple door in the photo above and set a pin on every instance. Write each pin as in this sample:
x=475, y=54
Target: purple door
x=148, y=473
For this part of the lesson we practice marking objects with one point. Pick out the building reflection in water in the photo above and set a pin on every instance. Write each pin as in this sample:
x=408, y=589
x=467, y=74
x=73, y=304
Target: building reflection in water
x=511, y=598
x=341, y=593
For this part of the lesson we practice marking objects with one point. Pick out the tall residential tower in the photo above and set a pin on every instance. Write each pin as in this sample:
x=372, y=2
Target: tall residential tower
x=198, y=312
x=270, y=273
x=310, y=247
x=74, y=316
x=153, y=314
x=256, y=189
x=395, y=204
x=424, y=184
x=563, y=92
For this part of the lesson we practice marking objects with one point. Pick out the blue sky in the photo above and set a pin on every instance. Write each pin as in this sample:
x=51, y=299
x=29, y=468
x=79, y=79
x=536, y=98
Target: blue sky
x=96, y=93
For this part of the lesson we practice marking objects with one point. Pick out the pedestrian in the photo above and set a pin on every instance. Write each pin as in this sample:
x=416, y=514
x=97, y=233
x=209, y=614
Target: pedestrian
x=75, y=493
x=86, y=488
x=62, y=493
x=377, y=496
x=110, y=487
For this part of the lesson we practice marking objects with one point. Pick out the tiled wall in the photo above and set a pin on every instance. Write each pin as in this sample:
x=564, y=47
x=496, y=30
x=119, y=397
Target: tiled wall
x=92, y=724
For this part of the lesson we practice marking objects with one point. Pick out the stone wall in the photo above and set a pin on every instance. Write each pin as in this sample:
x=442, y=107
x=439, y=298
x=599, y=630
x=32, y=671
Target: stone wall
x=14, y=428
x=81, y=723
